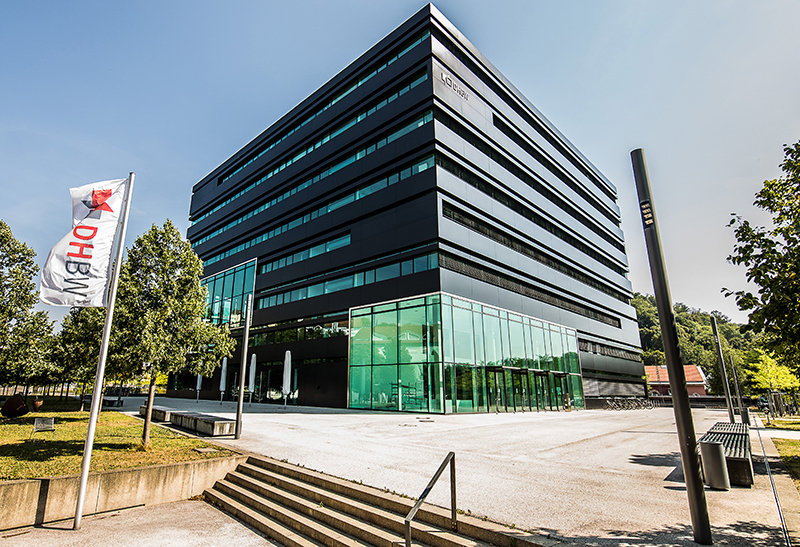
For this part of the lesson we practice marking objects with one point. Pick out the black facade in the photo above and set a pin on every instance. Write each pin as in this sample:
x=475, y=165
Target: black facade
x=418, y=169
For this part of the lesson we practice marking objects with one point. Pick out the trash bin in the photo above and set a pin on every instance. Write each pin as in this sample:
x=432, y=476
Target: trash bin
x=745, y=415
x=715, y=471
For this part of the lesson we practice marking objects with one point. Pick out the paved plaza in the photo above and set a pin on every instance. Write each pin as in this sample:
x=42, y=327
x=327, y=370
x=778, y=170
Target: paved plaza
x=591, y=477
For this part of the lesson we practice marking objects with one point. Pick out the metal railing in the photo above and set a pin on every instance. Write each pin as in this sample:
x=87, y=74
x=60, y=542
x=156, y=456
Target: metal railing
x=451, y=459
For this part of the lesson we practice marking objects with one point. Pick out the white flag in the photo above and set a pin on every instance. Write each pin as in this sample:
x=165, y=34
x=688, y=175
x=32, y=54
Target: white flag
x=76, y=271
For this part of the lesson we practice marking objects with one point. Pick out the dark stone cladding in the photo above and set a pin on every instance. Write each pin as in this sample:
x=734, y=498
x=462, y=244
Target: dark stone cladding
x=406, y=219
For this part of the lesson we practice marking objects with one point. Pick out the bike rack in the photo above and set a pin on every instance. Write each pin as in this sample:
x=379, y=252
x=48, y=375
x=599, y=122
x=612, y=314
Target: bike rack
x=449, y=459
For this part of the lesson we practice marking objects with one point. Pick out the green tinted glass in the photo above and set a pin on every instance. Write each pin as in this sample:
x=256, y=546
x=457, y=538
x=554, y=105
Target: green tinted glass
x=463, y=338
x=411, y=330
x=384, y=338
x=360, y=387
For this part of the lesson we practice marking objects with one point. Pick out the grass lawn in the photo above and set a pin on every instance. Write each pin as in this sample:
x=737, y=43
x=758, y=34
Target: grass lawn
x=790, y=454
x=781, y=423
x=116, y=444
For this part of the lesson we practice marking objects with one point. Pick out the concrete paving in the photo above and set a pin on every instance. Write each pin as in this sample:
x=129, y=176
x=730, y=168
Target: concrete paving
x=591, y=477
x=180, y=524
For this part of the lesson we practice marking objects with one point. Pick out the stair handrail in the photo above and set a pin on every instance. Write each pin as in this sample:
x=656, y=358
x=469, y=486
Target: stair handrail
x=449, y=459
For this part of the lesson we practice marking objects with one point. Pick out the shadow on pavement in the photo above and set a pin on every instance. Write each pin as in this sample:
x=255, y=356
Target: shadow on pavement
x=671, y=459
x=740, y=534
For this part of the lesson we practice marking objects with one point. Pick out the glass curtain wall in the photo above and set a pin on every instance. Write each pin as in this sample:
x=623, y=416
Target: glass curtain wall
x=443, y=354
x=227, y=294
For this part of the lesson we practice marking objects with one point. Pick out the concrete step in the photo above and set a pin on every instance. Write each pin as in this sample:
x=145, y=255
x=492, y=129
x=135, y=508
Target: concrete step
x=336, y=512
x=360, y=492
x=366, y=512
x=267, y=526
x=306, y=526
x=372, y=524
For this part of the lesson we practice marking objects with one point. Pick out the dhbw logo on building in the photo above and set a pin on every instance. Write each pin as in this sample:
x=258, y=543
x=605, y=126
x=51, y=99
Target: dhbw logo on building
x=452, y=84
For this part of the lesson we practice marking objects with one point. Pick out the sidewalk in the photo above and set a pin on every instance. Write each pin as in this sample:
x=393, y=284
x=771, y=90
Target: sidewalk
x=592, y=477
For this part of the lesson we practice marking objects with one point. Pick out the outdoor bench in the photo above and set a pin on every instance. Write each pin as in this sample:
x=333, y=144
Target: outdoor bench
x=735, y=440
x=203, y=423
x=159, y=413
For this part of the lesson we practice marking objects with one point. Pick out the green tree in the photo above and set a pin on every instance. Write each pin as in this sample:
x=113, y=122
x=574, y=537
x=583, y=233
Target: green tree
x=24, y=334
x=772, y=258
x=770, y=375
x=29, y=351
x=161, y=312
x=78, y=345
x=695, y=338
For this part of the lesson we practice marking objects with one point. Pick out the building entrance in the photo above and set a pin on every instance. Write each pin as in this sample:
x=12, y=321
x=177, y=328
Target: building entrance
x=496, y=388
x=509, y=389
x=521, y=390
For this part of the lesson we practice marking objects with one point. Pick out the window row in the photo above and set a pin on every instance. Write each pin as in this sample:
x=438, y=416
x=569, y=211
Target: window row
x=514, y=284
x=312, y=180
x=525, y=177
x=414, y=169
x=542, y=128
x=298, y=334
x=430, y=329
x=305, y=254
x=366, y=277
x=602, y=349
x=448, y=388
x=361, y=81
x=563, y=175
x=517, y=206
x=475, y=224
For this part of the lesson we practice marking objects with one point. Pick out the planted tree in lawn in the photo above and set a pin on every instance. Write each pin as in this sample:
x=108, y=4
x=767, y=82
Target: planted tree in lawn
x=78, y=345
x=23, y=332
x=161, y=311
x=770, y=375
x=772, y=258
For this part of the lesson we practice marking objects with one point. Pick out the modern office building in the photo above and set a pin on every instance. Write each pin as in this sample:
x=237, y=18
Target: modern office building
x=420, y=238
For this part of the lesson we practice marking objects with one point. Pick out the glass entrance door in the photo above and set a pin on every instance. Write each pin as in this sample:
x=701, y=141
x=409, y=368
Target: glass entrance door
x=559, y=394
x=522, y=401
x=540, y=389
x=495, y=387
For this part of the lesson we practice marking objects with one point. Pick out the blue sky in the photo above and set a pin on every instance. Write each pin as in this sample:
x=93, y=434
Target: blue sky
x=93, y=90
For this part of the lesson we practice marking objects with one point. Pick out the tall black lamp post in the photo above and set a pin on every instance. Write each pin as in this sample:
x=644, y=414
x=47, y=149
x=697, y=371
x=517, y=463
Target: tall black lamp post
x=677, y=378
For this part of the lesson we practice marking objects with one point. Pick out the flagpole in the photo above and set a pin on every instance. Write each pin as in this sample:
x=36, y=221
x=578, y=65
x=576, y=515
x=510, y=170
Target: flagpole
x=101, y=362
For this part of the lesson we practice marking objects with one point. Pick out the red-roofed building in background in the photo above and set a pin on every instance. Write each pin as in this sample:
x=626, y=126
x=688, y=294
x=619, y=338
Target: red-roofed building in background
x=658, y=379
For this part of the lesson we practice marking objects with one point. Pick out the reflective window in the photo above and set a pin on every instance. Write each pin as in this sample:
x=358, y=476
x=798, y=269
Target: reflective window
x=411, y=335
x=264, y=236
x=447, y=332
x=412, y=387
x=380, y=104
x=357, y=279
x=491, y=337
x=384, y=388
x=517, y=344
x=463, y=337
x=384, y=338
x=227, y=293
x=361, y=387
x=310, y=252
x=481, y=367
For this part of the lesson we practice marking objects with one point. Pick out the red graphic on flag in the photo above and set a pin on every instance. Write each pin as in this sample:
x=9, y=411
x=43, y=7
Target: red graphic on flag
x=99, y=198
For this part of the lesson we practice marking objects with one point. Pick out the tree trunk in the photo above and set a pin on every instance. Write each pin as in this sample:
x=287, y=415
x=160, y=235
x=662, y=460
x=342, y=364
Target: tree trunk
x=151, y=394
x=83, y=394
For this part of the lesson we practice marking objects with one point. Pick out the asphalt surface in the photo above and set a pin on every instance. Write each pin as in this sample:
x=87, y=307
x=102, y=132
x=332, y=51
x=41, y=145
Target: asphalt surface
x=591, y=477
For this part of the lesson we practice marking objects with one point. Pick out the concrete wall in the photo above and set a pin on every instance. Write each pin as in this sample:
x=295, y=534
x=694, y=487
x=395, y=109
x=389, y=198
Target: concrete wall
x=30, y=502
